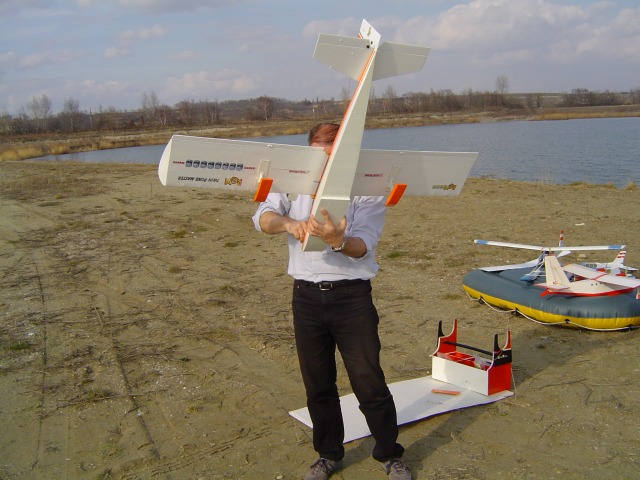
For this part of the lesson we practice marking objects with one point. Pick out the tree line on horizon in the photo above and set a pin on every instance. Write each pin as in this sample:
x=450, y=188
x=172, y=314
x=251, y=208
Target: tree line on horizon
x=37, y=116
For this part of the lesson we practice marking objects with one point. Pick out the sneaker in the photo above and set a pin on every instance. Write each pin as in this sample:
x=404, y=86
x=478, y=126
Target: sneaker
x=397, y=470
x=322, y=469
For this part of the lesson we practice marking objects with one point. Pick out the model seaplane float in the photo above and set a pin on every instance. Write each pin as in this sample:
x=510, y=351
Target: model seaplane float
x=594, y=296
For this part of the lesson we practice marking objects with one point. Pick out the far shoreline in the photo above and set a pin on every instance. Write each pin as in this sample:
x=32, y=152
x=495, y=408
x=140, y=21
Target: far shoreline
x=26, y=147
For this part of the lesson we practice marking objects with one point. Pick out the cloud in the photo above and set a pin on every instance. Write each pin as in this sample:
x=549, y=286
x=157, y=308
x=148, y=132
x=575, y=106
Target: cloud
x=90, y=93
x=501, y=31
x=263, y=39
x=622, y=38
x=205, y=84
x=154, y=32
x=175, y=6
x=116, y=52
x=93, y=93
x=10, y=61
x=126, y=39
x=347, y=27
x=183, y=55
x=13, y=7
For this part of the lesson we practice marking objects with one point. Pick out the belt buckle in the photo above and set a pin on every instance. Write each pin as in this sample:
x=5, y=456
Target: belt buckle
x=325, y=286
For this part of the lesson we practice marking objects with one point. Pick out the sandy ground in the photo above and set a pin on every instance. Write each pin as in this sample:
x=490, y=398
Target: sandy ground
x=145, y=332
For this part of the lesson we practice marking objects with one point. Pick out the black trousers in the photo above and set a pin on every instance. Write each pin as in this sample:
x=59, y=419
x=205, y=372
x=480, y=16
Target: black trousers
x=342, y=314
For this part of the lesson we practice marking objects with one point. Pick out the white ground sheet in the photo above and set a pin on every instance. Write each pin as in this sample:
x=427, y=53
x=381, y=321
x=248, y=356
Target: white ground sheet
x=414, y=401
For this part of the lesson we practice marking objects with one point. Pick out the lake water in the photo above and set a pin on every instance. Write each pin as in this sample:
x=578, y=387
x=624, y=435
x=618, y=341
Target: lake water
x=559, y=151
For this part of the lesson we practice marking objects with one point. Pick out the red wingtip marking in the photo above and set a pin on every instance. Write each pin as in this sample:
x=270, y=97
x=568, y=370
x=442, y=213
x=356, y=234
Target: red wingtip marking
x=396, y=194
x=263, y=189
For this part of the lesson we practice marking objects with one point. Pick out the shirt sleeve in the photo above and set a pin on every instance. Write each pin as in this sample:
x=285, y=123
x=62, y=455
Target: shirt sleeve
x=275, y=202
x=367, y=220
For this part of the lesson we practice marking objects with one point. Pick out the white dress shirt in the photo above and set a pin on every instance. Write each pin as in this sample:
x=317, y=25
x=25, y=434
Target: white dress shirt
x=365, y=220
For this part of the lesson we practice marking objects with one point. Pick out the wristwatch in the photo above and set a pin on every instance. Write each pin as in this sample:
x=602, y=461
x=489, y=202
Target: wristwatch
x=341, y=247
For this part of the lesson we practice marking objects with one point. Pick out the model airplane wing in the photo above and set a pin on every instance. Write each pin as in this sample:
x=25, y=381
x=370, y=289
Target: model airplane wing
x=549, y=249
x=591, y=274
x=239, y=165
x=500, y=268
x=424, y=173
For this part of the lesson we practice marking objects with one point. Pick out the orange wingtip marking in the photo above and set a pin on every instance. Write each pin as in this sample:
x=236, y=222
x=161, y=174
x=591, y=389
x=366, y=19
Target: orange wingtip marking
x=446, y=392
x=263, y=189
x=396, y=194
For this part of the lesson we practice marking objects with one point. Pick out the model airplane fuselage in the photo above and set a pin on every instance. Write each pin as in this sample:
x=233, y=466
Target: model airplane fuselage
x=347, y=171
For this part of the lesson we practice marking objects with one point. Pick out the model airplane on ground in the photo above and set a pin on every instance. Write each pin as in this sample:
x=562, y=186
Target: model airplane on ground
x=573, y=279
x=617, y=267
x=347, y=171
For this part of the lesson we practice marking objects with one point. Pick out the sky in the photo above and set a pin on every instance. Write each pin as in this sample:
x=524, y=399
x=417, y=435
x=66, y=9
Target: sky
x=108, y=53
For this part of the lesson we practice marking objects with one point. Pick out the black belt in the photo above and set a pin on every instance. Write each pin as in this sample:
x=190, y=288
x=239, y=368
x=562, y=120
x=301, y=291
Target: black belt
x=329, y=285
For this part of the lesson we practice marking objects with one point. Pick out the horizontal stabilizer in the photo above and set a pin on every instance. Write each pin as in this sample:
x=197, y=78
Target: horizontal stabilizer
x=395, y=59
x=347, y=55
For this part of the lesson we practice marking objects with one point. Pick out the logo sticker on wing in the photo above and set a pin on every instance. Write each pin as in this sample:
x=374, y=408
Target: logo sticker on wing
x=451, y=186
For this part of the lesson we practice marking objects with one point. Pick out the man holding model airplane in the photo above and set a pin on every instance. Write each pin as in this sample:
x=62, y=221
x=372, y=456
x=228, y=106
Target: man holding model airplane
x=332, y=306
x=332, y=208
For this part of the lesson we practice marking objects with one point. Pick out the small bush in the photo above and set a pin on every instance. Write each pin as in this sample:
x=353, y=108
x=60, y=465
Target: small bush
x=178, y=233
x=18, y=346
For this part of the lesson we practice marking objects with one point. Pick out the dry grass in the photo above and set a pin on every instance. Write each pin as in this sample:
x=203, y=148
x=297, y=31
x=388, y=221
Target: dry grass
x=49, y=182
x=578, y=115
x=41, y=147
x=21, y=152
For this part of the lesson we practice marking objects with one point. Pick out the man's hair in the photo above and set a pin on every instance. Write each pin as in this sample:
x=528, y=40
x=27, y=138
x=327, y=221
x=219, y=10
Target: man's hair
x=324, y=133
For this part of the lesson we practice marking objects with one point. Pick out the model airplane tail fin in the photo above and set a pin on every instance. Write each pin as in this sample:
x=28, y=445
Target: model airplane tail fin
x=618, y=263
x=619, y=258
x=393, y=59
x=556, y=279
x=368, y=32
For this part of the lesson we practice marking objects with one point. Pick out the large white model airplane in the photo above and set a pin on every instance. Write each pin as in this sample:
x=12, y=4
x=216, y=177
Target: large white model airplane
x=572, y=279
x=348, y=171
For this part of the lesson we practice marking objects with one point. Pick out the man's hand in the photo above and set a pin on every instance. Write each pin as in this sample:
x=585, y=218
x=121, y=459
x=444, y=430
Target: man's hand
x=330, y=233
x=272, y=223
x=297, y=229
